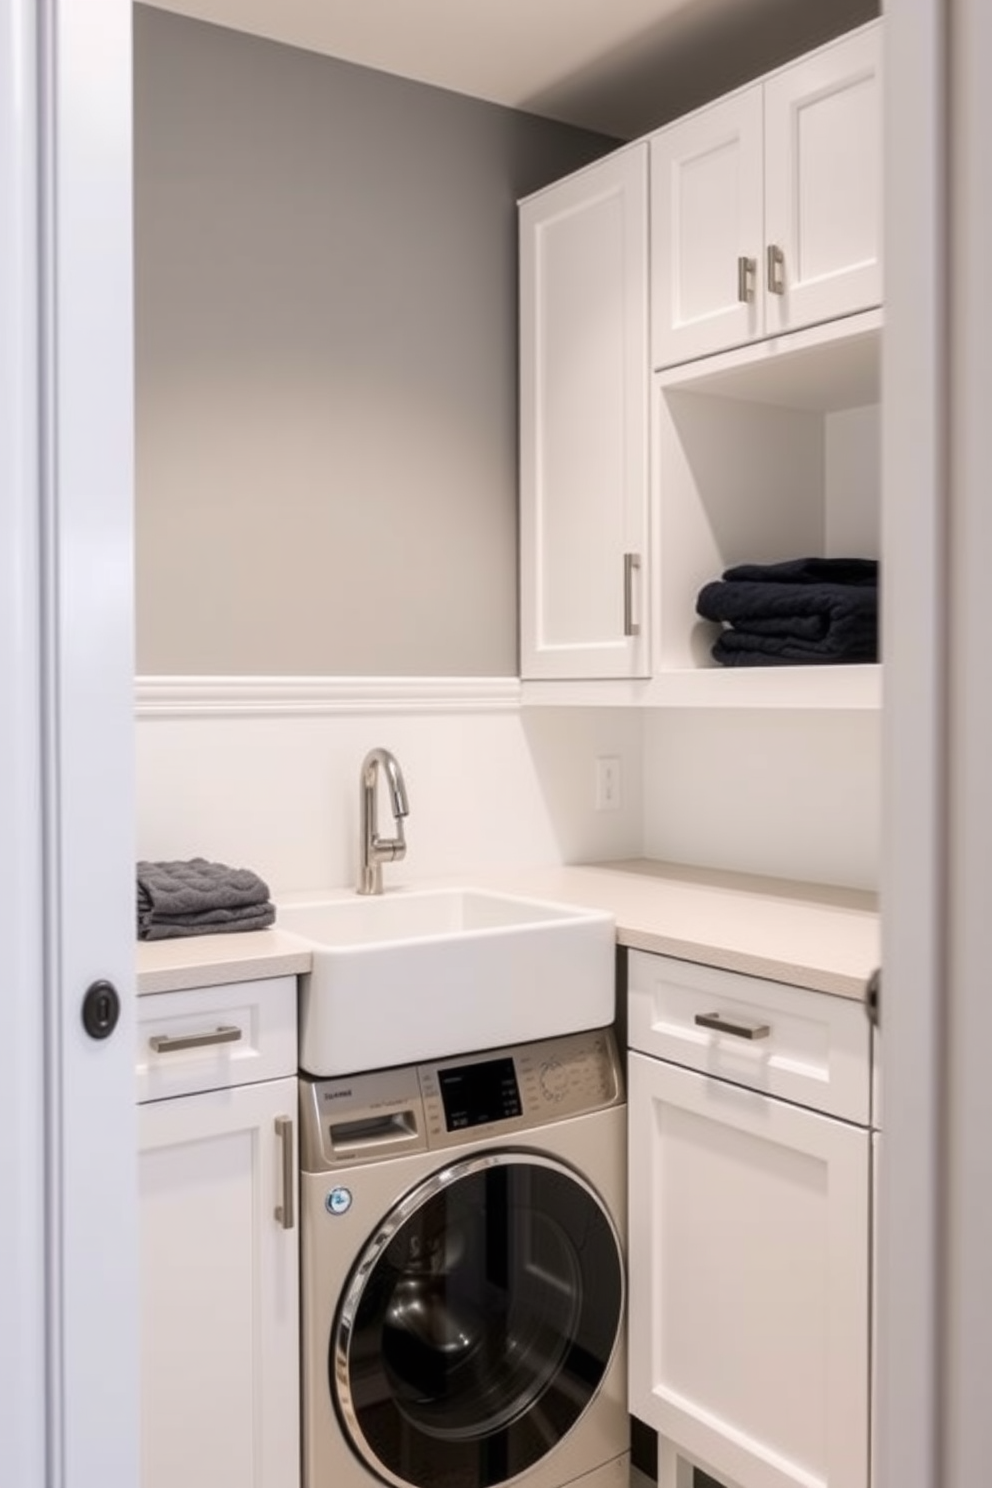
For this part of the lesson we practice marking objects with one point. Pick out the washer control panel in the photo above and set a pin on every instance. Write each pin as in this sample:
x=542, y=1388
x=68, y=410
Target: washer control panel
x=510, y=1090
x=385, y=1113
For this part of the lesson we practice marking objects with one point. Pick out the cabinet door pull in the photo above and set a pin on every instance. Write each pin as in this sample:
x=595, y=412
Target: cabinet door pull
x=873, y=997
x=739, y=1030
x=284, y=1211
x=631, y=562
x=776, y=270
x=164, y=1043
x=745, y=278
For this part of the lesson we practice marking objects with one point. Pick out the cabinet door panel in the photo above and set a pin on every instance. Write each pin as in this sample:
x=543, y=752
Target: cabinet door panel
x=583, y=376
x=219, y=1292
x=823, y=182
x=706, y=190
x=749, y=1245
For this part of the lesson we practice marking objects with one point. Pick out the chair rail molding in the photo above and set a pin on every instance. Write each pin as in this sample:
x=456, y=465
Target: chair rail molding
x=307, y=696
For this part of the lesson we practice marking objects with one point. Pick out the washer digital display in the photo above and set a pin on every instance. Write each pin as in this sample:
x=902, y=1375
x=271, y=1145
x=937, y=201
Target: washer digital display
x=474, y=1094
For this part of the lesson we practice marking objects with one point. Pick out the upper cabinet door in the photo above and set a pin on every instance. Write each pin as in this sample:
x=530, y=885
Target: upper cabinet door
x=706, y=231
x=823, y=184
x=584, y=423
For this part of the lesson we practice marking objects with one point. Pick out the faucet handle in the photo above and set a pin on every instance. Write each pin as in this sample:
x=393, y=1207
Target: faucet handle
x=397, y=791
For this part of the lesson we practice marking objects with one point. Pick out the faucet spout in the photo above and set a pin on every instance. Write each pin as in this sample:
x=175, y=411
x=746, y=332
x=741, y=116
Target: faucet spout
x=376, y=850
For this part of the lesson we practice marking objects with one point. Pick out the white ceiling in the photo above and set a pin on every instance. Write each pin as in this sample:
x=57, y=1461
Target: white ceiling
x=617, y=66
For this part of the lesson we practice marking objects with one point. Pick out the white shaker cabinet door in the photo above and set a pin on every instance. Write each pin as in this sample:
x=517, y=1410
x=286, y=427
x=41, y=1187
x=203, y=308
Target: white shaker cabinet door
x=584, y=423
x=823, y=184
x=706, y=231
x=219, y=1290
x=749, y=1266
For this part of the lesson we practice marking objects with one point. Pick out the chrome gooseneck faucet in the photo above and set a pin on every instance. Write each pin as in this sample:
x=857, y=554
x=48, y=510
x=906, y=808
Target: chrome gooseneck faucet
x=376, y=850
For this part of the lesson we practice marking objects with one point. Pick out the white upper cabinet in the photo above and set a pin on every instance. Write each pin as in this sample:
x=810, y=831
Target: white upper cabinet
x=706, y=223
x=584, y=423
x=700, y=337
x=766, y=208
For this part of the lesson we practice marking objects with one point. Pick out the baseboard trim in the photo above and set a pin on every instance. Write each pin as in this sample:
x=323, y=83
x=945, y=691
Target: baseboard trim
x=244, y=697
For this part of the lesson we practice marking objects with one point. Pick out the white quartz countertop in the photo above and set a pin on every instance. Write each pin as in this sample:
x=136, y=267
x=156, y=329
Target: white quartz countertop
x=211, y=960
x=810, y=935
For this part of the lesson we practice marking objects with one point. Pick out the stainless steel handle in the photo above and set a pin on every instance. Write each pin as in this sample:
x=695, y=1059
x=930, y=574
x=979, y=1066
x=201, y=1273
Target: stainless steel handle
x=164, y=1043
x=745, y=278
x=873, y=997
x=284, y=1211
x=775, y=272
x=631, y=562
x=739, y=1030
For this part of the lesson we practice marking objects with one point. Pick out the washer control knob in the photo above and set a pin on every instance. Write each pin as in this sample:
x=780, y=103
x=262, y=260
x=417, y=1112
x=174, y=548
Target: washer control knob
x=338, y=1201
x=554, y=1079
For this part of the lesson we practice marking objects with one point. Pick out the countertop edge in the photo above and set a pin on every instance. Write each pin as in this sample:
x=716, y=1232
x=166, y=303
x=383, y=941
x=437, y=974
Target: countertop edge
x=791, y=973
x=806, y=935
x=183, y=964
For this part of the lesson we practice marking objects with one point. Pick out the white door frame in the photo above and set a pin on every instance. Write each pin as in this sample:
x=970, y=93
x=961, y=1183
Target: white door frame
x=966, y=1210
x=914, y=601
x=23, y=1356
x=68, y=1258
x=935, y=1424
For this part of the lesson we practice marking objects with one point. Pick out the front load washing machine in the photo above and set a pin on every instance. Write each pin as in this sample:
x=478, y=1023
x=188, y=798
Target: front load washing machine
x=463, y=1281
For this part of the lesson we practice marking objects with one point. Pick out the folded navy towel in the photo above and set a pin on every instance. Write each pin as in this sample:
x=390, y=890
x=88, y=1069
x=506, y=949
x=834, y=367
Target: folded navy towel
x=862, y=571
x=197, y=897
x=787, y=622
x=735, y=647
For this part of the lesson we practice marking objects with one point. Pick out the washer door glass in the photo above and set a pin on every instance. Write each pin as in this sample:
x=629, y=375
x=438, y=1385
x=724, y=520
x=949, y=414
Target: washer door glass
x=478, y=1323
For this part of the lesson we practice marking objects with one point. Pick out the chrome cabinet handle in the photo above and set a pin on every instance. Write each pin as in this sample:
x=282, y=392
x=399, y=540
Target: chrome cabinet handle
x=776, y=269
x=631, y=563
x=873, y=997
x=284, y=1211
x=739, y=1030
x=745, y=278
x=164, y=1043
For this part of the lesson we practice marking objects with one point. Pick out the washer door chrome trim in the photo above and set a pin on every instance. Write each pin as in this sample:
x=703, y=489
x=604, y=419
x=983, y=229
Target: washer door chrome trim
x=444, y=1179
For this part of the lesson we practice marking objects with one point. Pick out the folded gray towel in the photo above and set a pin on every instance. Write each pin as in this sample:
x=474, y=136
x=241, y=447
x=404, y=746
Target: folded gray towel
x=219, y=922
x=197, y=897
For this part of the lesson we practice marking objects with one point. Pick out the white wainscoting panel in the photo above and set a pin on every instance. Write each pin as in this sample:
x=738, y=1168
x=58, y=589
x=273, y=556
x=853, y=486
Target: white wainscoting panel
x=263, y=773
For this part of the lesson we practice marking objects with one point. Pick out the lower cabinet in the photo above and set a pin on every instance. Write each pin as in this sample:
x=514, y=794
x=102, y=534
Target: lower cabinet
x=749, y=1239
x=219, y=1267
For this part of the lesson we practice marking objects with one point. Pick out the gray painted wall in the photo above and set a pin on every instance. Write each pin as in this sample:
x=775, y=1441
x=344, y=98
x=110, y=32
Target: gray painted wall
x=325, y=361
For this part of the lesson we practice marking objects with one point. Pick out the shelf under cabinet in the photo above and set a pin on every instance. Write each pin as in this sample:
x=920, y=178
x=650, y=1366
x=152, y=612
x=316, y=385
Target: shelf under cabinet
x=799, y=687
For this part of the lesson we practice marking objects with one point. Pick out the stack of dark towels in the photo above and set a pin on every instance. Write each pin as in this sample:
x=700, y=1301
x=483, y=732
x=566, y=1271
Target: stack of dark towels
x=807, y=610
x=197, y=897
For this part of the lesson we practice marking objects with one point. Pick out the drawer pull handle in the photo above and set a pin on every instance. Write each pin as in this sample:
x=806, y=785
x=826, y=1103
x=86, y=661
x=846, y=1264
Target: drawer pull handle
x=746, y=268
x=284, y=1211
x=165, y=1043
x=739, y=1030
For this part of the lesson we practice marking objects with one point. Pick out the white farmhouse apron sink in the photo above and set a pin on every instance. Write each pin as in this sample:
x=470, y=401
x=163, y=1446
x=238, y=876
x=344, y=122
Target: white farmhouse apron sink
x=424, y=974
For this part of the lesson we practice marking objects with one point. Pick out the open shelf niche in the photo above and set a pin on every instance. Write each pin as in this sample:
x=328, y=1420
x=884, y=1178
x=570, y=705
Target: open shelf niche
x=763, y=454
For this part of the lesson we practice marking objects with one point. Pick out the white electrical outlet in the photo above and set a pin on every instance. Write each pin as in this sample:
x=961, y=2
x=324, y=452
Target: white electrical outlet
x=608, y=782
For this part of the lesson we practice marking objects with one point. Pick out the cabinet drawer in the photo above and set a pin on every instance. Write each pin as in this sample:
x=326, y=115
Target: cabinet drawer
x=212, y=1037
x=806, y=1047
